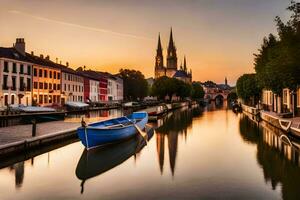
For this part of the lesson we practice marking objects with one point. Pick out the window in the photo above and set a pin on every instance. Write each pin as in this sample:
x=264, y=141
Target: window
x=40, y=99
x=50, y=98
x=5, y=66
x=68, y=87
x=12, y=99
x=22, y=84
x=28, y=84
x=6, y=99
x=45, y=73
x=50, y=86
x=28, y=69
x=21, y=69
x=40, y=73
x=54, y=86
x=50, y=74
x=285, y=96
x=35, y=85
x=298, y=97
x=54, y=74
x=13, y=83
x=35, y=72
x=45, y=86
x=45, y=99
x=73, y=88
x=65, y=86
x=58, y=75
x=14, y=68
x=5, y=82
x=58, y=86
x=41, y=86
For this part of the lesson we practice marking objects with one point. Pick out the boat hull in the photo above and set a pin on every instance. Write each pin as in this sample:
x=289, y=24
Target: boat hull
x=92, y=136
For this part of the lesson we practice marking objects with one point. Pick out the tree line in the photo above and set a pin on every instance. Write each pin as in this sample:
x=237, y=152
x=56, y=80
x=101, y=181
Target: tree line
x=135, y=87
x=277, y=63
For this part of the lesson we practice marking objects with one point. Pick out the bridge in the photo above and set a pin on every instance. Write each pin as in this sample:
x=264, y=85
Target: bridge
x=218, y=94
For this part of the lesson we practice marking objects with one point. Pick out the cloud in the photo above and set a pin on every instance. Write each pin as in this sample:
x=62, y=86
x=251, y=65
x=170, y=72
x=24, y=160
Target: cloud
x=80, y=26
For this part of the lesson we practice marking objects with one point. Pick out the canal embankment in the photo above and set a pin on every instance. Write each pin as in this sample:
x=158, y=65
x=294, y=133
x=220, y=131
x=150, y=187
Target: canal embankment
x=291, y=125
x=22, y=138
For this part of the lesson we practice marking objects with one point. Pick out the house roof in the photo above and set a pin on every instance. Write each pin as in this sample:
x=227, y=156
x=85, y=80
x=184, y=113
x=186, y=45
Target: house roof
x=181, y=73
x=12, y=53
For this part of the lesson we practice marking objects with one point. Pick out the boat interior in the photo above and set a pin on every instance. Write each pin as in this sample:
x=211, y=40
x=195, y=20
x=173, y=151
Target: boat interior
x=120, y=122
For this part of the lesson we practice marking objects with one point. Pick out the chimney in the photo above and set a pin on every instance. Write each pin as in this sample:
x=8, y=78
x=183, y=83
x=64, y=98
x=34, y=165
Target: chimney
x=56, y=60
x=42, y=56
x=47, y=57
x=67, y=64
x=20, y=45
x=32, y=53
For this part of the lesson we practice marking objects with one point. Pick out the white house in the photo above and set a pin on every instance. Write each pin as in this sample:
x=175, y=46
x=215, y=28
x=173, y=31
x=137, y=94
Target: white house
x=72, y=85
x=16, y=75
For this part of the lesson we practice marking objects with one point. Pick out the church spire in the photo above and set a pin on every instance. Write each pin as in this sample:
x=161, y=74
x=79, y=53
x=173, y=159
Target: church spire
x=171, y=42
x=172, y=55
x=159, y=59
x=159, y=48
x=184, y=64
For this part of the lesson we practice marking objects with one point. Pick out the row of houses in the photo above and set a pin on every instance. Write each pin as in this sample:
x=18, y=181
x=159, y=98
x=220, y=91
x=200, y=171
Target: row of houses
x=29, y=79
x=287, y=102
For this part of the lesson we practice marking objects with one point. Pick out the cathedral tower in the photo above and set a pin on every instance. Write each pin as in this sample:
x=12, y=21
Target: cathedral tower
x=172, y=55
x=159, y=59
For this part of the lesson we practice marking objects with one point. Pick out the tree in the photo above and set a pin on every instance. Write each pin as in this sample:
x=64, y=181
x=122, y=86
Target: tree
x=277, y=64
x=159, y=87
x=167, y=87
x=197, y=91
x=135, y=84
x=248, y=89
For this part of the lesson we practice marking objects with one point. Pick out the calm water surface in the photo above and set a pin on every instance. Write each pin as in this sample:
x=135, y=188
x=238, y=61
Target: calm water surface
x=192, y=154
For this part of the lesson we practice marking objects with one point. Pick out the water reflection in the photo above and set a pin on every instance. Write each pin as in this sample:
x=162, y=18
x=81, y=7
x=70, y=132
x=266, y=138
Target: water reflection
x=277, y=154
x=18, y=169
x=99, y=160
x=170, y=127
x=93, y=116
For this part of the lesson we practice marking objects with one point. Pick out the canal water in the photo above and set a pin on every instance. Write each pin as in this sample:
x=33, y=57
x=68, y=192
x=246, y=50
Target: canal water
x=209, y=153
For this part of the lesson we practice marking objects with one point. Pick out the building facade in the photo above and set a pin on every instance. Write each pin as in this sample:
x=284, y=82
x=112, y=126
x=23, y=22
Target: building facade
x=72, y=85
x=115, y=88
x=16, y=76
x=46, y=82
x=171, y=69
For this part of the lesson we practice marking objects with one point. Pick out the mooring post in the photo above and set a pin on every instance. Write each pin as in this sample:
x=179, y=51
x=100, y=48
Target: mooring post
x=33, y=127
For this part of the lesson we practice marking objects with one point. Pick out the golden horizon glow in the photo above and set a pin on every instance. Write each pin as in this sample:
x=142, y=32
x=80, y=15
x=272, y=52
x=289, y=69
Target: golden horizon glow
x=218, y=38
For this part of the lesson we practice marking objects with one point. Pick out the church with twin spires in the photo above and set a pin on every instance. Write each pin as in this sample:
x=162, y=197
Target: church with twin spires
x=171, y=69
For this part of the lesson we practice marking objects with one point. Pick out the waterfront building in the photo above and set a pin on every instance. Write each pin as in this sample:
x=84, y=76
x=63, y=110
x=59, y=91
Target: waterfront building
x=16, y=75
x=114, y=88
x=91, y=87
x=171, y=69
x=287, y=102
x=46, y=90
x=72, y=85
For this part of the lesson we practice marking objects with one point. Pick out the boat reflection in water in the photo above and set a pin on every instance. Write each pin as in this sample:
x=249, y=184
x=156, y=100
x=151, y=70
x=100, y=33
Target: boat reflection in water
x=99, y=160
x=277, y=154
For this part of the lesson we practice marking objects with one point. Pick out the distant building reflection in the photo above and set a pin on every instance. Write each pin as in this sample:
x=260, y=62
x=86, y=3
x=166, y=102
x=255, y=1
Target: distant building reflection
x=170, y=127
x=278, y=155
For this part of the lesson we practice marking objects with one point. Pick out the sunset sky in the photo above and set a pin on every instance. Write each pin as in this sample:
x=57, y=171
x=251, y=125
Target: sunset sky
x=218, y=37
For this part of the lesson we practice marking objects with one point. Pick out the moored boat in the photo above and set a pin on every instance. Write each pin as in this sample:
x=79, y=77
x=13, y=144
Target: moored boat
x=112, y=130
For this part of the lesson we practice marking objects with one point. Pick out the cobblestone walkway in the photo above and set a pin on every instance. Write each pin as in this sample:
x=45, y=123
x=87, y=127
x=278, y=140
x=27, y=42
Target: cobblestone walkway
x=21, y=132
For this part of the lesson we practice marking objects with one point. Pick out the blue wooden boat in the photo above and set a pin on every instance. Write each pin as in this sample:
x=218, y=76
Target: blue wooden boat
x=112, y=130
